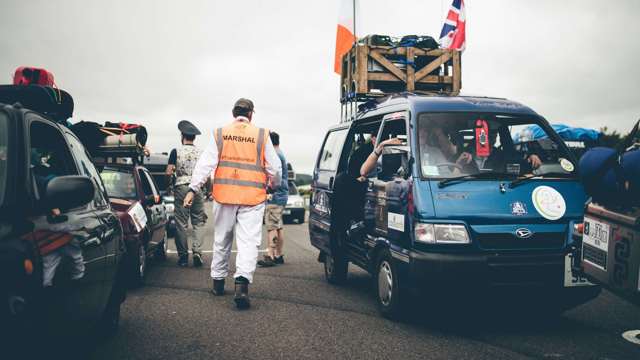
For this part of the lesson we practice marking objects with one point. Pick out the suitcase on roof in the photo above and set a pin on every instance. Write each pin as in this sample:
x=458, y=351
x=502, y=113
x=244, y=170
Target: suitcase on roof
x=26, y=75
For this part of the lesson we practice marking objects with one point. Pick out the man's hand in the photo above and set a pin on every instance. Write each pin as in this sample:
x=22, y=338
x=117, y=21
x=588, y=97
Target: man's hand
x=535, y=161
x=392, y=141
x=188, y=200
x=464, y=158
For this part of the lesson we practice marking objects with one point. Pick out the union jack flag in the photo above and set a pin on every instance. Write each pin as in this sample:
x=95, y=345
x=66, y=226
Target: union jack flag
x=452, y=35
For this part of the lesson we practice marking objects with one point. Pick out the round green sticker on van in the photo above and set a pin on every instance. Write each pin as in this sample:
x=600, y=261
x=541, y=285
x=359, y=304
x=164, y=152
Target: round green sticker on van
x=548, y=202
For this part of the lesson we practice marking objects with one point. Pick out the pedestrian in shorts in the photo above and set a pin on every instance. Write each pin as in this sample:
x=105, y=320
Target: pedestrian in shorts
x=276, y=202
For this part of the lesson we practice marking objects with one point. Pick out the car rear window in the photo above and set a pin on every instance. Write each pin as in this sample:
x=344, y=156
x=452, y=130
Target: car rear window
x=4, y=148
x=119, y=184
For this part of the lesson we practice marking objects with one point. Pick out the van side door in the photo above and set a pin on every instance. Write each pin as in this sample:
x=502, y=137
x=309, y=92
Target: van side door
x=385, y=208
x=324, y=177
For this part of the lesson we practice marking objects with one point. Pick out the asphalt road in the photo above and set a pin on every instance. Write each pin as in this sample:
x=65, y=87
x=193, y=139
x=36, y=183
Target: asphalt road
x=296, y=314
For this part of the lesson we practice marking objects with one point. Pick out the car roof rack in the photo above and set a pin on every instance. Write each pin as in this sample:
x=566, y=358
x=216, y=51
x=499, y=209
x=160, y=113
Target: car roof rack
x=52, y=102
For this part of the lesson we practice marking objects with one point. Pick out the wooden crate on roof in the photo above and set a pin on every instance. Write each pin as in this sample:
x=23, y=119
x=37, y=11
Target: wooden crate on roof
x=370, y=69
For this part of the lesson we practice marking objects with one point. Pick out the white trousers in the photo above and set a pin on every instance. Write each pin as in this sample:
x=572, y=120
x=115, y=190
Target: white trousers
x=246, y=222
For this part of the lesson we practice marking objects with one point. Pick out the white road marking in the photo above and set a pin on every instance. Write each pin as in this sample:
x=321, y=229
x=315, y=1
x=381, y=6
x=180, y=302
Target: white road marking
x=632, y=336
x=208, y=251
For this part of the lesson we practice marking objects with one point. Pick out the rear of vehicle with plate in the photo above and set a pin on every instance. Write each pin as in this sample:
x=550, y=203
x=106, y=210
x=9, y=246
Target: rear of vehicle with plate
x=295, y=209
x=611, y=250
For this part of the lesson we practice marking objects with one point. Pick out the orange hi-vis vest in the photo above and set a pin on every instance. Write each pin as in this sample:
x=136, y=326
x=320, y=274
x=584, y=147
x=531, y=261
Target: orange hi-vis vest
x=240, y=177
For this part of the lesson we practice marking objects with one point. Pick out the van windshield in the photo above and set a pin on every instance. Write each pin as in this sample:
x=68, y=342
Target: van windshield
x=4, y=148
x=459, y=144
x=119, y=184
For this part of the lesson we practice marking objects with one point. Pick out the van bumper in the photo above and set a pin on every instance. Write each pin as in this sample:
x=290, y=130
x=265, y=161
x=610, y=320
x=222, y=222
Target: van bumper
x=537, y=279
x=485, y=270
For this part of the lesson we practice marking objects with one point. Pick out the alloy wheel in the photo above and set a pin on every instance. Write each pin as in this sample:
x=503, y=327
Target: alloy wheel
x=385, y=283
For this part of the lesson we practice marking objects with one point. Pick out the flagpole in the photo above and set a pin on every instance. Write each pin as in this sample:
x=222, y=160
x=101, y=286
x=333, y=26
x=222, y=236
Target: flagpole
x=355, y=36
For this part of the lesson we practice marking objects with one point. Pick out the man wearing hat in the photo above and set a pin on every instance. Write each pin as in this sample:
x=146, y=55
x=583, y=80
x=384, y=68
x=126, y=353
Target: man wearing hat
x=243, y=161
x=181, y=162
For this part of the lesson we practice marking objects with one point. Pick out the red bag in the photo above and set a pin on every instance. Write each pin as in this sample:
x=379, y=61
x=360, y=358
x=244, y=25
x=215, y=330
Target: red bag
x=26, y=75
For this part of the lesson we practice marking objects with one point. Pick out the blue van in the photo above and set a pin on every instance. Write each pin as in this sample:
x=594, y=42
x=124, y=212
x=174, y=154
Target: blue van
x=466, y=202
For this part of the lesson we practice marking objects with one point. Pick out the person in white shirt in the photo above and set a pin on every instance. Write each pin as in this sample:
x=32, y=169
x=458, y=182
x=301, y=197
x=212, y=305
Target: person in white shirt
x=243, y=161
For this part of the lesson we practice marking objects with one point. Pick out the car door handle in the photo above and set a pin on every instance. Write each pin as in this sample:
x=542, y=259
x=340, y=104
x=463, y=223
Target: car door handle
x=93, y=242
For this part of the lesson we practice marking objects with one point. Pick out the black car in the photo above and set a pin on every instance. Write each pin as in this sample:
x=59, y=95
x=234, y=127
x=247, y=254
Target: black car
x=61, y=245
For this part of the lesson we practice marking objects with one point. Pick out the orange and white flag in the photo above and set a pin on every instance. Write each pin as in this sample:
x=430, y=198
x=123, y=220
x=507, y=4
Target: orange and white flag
x=346, y=32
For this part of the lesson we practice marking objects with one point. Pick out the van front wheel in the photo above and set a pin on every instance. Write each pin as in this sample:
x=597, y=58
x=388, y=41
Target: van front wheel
x=336, y=267
x=388, y=287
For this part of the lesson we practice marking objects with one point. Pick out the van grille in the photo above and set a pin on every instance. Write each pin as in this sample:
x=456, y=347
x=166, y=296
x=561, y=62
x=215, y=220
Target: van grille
x=594, y=256
x=507, y=241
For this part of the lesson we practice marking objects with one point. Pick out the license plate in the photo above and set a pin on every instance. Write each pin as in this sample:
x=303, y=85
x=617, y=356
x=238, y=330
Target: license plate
x=571, y=279
x=596, y=234
x=287, y=212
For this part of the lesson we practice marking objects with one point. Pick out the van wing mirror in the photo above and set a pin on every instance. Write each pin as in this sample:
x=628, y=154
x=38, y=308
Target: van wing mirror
x=68, y=192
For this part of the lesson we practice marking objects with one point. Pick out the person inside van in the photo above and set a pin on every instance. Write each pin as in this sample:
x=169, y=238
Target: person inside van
x=503, y=154
x=369, y=165
x=439, y=152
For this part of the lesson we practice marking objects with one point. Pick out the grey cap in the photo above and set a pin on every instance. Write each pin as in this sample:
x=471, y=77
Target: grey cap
x=244, y=104
x=187, y=128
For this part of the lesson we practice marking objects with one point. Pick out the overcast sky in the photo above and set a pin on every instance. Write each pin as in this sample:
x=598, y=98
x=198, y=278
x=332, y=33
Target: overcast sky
x=157, y=62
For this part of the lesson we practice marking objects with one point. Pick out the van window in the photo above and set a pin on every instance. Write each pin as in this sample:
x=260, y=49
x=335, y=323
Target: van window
x=361, y=146
x=4, y=148
x=330, y=156
x=49, y=156
x=393, y=129
x=456, y=144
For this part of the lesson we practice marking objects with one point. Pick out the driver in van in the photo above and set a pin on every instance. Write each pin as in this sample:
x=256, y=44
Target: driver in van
x=437, y=149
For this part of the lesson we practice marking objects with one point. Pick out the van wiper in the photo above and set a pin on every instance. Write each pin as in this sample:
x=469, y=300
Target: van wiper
x=524, y=179
x=480, y=175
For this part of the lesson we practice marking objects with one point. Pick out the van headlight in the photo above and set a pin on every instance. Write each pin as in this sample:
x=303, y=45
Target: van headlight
x=441, y=234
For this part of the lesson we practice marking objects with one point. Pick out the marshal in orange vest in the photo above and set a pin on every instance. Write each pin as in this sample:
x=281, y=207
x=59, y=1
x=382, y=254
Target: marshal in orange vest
x=240, y=177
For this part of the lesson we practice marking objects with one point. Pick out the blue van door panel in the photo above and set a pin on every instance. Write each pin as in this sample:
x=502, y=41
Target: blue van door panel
x=483, y=202
x=324, y=177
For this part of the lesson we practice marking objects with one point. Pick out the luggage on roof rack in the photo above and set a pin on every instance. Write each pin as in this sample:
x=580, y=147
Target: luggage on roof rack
x=52, y=102
x=371, y=70
x=27, y=75
x=112, y=141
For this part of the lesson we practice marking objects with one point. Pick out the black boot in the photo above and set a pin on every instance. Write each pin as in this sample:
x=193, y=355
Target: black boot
x=218, y=287
x=197, y=260
x=242, y=293
x=183, y=261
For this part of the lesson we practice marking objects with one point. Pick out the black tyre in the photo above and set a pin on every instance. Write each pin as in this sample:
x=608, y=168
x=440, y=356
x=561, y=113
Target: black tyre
x=336, y=267
x=110, y=321
x=161, y=249
x=390, y=298
x=138, y=267
x=171, y=232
